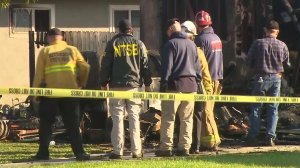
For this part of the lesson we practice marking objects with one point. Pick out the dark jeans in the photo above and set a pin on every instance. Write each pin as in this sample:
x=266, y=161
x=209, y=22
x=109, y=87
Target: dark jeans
x=197, y=123
x=268, y=85
x=69, y=110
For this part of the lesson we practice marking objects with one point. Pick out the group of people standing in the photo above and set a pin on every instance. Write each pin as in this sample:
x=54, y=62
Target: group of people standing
x=183, y=66
x=191, y=62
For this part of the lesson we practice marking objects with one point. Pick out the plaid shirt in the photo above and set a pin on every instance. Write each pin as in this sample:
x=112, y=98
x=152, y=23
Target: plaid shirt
x=267, y=55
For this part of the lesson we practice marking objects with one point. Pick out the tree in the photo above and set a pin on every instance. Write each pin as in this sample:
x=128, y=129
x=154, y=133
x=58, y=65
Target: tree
x=5, y=3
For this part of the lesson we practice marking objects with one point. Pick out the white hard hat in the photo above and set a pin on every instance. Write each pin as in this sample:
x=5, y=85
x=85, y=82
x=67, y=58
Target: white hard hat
x=189, y=27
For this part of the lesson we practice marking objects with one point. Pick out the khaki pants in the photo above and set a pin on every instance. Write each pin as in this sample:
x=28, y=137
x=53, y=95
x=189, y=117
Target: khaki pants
x=117, y=109
x=185, y=111
x=209, y=132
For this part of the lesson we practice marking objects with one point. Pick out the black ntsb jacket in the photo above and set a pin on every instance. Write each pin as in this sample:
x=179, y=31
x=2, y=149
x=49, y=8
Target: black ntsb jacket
x=125, y=63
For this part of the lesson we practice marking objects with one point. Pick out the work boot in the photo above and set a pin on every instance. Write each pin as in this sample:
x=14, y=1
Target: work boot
x=83, y=157
x=251, y=143
x=183, y=153
x=40, y=157
x=163, y=153
x=138, y=156
x=270, y=142
x=115, y=156
x=210, y=149
x=195, y=151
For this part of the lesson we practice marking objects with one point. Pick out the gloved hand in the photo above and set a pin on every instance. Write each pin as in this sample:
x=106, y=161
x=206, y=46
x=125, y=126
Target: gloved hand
x=163, y=86
x=35, y=99
x=147, y=89
x=200, y=88
x=104, y=87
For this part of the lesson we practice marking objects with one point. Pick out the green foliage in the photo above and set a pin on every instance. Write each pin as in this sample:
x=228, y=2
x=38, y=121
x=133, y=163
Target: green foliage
x=5, y=3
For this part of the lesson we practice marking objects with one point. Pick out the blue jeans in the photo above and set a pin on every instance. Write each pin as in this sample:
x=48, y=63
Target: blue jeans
x=268, y=85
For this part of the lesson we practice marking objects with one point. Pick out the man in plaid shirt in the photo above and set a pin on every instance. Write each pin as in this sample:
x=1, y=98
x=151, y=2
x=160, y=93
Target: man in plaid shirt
x=266, y=57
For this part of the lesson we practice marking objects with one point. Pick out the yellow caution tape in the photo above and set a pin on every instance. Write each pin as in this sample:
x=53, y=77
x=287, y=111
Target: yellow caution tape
x=97, y=94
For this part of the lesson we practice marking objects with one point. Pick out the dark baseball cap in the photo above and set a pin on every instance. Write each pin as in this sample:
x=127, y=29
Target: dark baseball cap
x=272, y=24
x=124, y=25
x=54, y=32
x=172, y=21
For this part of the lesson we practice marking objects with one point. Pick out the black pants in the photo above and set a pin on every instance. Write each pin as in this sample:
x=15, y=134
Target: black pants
x=197, y=123
x=69, y=110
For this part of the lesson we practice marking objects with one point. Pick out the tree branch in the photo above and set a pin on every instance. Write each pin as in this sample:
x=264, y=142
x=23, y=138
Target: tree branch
x=6, y=3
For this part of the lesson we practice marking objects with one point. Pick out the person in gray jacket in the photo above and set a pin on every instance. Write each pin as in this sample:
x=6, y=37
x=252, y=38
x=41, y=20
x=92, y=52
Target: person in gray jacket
x=125, y=68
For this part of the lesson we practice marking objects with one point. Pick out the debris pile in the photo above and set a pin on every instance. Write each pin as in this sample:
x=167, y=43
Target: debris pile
x=231, y=122
x=21, y=129
x=150, y=124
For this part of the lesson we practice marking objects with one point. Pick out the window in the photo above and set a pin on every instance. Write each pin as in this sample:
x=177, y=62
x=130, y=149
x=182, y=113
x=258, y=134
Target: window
x=120, y=12
x=24, y=18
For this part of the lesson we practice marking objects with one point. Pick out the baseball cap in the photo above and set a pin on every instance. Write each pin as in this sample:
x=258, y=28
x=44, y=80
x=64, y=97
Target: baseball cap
x=124, y=25
x=272, y=24
x=54, y=32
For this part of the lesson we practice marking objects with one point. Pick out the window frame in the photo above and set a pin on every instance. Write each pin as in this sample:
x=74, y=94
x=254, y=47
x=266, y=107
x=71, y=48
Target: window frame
x=113, y=8
x=33, y=7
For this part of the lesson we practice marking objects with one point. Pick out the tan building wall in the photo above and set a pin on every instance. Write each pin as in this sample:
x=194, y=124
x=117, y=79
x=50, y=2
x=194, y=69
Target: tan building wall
x=13, y=59
x=70, y=15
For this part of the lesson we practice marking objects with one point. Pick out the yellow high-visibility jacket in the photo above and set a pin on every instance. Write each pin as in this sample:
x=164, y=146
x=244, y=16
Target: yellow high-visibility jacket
x=209, y=130
x=61, y=66
x=206, y=78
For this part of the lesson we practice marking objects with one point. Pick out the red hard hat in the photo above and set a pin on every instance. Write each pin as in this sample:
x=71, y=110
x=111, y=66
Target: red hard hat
x=203, y=18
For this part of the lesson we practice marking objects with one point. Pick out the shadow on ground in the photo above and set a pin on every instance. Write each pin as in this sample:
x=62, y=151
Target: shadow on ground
x=25, y=156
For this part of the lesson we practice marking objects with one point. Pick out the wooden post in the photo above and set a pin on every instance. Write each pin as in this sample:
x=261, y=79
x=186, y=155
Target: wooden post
x=31, y=57
x=151, y=29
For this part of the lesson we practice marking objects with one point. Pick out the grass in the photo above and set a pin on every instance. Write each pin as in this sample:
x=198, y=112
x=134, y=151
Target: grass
x=268, y=160
x=15, y=152
x=11, y=152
